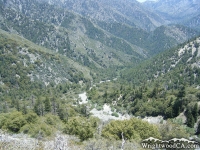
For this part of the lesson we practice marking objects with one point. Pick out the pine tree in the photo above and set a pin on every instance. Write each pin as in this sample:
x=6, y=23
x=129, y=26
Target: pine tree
x=190, y=119
x=177, y=108
x=195, y=112
x=54, y=105
x=169, y=112
x=198, y=96
x=47, y=105
x=181, y=92
x=39, y=108
x=24, y=109
x=17, y=105
x=5, y=108
x=105, y=96
x=62, y=113
x=198, y=129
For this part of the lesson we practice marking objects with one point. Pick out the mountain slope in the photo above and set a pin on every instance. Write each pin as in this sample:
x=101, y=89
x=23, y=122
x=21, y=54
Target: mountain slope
x=194, y=22
x=175, y=10
x=95, y=43
x=128, y=12
x=67, y=34
x=185, y=56
x=162, y=38
x=165, y=85
x=39, y=65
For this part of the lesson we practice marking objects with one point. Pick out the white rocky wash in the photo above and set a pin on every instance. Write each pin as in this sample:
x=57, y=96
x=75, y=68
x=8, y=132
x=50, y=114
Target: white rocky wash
x=154, y=120
x=83, y=97
x=106, y=114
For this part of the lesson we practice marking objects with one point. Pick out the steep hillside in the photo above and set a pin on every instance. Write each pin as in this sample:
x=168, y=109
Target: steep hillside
x=127, y=12
x=165, y=85
x=95, y=44
x=169, y=74
x=130, y=21
x=194, y=22
x=162, y=38
x=185, y=56
x=26, y=66
x=66, y=33
x=175, y=10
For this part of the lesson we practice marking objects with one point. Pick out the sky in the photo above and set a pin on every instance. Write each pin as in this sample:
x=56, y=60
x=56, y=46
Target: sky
x=141, y=0
x=144, y=0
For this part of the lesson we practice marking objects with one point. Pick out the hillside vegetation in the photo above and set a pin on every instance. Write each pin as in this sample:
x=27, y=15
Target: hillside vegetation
x=63, y=63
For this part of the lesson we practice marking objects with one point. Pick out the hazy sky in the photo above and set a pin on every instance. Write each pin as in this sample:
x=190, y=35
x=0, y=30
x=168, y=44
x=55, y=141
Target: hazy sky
x=144, y=0
x=141, y=0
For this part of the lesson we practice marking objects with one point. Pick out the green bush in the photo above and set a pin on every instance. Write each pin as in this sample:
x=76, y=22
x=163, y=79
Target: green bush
x=31, y=117
x=99, y=108
x=15, y=124
x=12, y=121
x=38, y=130
x=30, y=123
x=82, y=127
x=132, y=129
x=42, y=126
x=115, y=114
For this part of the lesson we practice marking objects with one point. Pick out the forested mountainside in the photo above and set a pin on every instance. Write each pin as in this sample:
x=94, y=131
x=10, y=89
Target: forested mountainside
x=175, y=10
x=169, y=86
x=166, y=85
x=194, y=22
x=68, y=34
x=127, y=12
x=39, y=88
x=75, y=36
x=27, y=70
x=68, y=68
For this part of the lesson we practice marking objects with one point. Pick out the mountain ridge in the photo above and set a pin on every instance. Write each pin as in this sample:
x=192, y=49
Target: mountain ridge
x=174, y=10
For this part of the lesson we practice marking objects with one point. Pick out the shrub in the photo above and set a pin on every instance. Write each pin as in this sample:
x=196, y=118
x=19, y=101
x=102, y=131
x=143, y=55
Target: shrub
x=13, y=121
x=30, y=123
x=31, y=117
x=132, y=129
x=115, y=114
x=99, y=108
x=15, y=124
x=82, y=127
x=39, y=130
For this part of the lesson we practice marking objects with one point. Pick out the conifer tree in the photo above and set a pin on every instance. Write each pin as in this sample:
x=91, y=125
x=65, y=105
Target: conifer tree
x=17, y=105
x=54, y=105
x=24, y=108
x=190, y=119
x=198, y=96
x=39, y=108
x=47, y=105
x=198, y=129
x=5, y=108
x=105, y=96
x=195, y=112
x=181, y=92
